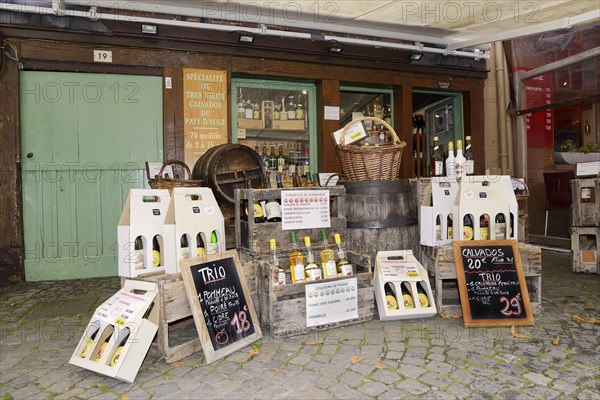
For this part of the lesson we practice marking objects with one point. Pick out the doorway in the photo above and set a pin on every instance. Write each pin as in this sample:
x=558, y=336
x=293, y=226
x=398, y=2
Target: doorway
x=84, y=142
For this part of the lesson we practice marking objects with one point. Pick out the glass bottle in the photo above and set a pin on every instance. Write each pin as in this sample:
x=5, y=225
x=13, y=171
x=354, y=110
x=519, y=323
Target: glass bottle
x=469, y=157
x=296, y=261
x=273, y=209
x=200, y=248
x=407, y=299
x=327, y=258
x=255, y=111
x=213, y=246
x=438, y=228
x=185, y=247
x=124, y=334
x=459, y=160
x=248, y=111
x=90, y=342
x=275, y=261
x=155, y=252
x=423, y=299
x=284, y=113
x=241, y=109
x=277, y=113
x=500, y=228
x=281, y=159
x=468, y=227
x=390, y=297
x=449, y=221
x=344, y=267
x=257, y=210
x=138, y=253
x=484, y=227
x=102, y=349
x=450, y=163
x=299, y=109
x=291, y=110
x=437, y=159
x=264, y=156
x=272, y=158
x=311, y=270
x=387, y=117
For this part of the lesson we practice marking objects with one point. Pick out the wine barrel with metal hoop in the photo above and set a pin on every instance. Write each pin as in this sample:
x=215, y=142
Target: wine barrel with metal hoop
x=381, y=215
x=223, y=168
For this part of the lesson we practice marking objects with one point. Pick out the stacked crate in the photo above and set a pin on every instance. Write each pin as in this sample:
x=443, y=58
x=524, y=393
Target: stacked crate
x=283, y=307
x=585, y=220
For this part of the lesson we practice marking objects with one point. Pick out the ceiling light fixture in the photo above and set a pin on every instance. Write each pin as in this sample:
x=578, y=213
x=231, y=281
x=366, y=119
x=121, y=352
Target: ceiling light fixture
x=246, y=37
x=150, y=29
x=415, y=56
x=335, y=46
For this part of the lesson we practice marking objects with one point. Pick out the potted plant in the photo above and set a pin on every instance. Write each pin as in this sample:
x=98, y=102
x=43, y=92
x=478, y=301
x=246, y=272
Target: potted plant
x=569, y=153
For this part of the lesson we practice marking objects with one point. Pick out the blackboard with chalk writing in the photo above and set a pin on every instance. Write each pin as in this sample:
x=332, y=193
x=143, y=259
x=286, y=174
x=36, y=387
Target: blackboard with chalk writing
x=221, y=304
x=492, y=287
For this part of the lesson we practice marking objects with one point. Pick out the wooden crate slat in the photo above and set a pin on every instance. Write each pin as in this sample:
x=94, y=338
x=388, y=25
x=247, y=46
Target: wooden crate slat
x=585, y=247
x=585, y=213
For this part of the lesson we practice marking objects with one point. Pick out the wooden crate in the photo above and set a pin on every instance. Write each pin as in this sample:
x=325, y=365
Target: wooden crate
x=283, y=307
x=177, y=336
x=439, y=262
x=254, y=238
x=585, y=243
x=585, y=213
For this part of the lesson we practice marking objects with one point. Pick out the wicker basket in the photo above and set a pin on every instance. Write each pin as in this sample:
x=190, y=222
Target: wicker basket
x=169, y=183
x=371, y=163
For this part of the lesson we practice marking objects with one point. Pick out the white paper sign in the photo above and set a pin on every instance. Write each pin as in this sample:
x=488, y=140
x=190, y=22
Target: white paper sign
x=332, y=113
x=398, y=271
x=328, y=178
x=154, y=168
x=305, y=209
x=120, y=307
x=354, y=133
x=330, y=302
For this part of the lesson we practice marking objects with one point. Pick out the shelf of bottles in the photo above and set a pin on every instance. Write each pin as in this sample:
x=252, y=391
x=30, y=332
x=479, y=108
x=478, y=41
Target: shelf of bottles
x=278, y=120
x=367, y=102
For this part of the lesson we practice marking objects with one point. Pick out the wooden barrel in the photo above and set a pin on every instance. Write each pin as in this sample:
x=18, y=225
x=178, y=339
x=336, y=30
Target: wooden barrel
x=381, y=216
x=222, y=168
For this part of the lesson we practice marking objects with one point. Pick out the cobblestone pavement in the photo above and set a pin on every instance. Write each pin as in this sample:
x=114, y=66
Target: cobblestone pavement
x=425, y=358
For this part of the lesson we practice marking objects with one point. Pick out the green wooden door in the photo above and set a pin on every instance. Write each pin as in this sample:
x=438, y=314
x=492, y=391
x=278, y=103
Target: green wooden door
x=85, y=139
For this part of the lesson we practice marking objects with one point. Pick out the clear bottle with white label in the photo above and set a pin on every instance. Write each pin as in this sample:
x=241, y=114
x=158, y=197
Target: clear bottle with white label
x=327, y=258
x=296, y=261
x=460, y=160
x=311, y=270
x=275, y=260
x=450, y=163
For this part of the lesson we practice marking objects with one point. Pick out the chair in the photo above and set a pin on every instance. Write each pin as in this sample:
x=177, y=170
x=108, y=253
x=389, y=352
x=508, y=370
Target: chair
x=558, y=192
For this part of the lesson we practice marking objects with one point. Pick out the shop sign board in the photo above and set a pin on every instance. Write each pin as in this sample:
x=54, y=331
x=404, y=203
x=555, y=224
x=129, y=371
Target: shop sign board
x=221, y=304
x=204, y=111
x=491, y=283
x=305, y=209
x=331, y=301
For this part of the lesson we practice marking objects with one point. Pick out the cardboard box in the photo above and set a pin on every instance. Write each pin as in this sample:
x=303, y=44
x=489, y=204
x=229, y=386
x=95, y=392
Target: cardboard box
x=290, y=124
x=400, y=269
x=442, y=191
x=120, y=332
x=250, y=123
x=485, y=195
x=193, y=211
x=143, y=216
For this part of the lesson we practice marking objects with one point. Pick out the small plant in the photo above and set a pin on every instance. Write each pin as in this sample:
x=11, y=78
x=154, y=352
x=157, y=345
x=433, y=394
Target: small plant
x=570, y=147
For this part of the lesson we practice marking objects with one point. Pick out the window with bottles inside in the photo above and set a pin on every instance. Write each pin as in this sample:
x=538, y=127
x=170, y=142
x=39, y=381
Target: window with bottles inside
x=357, y=103
x=277, y=120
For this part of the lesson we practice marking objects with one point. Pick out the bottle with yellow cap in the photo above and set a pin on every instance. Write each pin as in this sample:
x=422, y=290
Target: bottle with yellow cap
x=275, y=261
x=312, y=270
x=296, y=261
x=124, y=334
x=390, y=297
x=344, y=267
x=327, y=258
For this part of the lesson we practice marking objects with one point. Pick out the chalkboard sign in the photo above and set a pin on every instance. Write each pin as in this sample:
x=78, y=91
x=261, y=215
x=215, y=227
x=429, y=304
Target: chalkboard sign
x=221, y=304
x=492, y=287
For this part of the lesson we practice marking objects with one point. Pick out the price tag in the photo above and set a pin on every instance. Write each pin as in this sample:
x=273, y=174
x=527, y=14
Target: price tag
x=305, y=209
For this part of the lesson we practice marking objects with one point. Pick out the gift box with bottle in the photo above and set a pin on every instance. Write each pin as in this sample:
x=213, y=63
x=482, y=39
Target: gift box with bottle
x=140, y=233
x=120, y=332
x=485, y=208
x=194, y=224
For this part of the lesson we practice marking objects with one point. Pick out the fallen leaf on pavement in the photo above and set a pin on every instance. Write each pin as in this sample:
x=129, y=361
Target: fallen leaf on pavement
x=518, y=335
x=255, y=351
x=315, y=342
x=589, y=321
x=379, y=365
x=556, y=340
x=179, y=364
x=123, y=397
x=356, y=359
x=278, y=370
